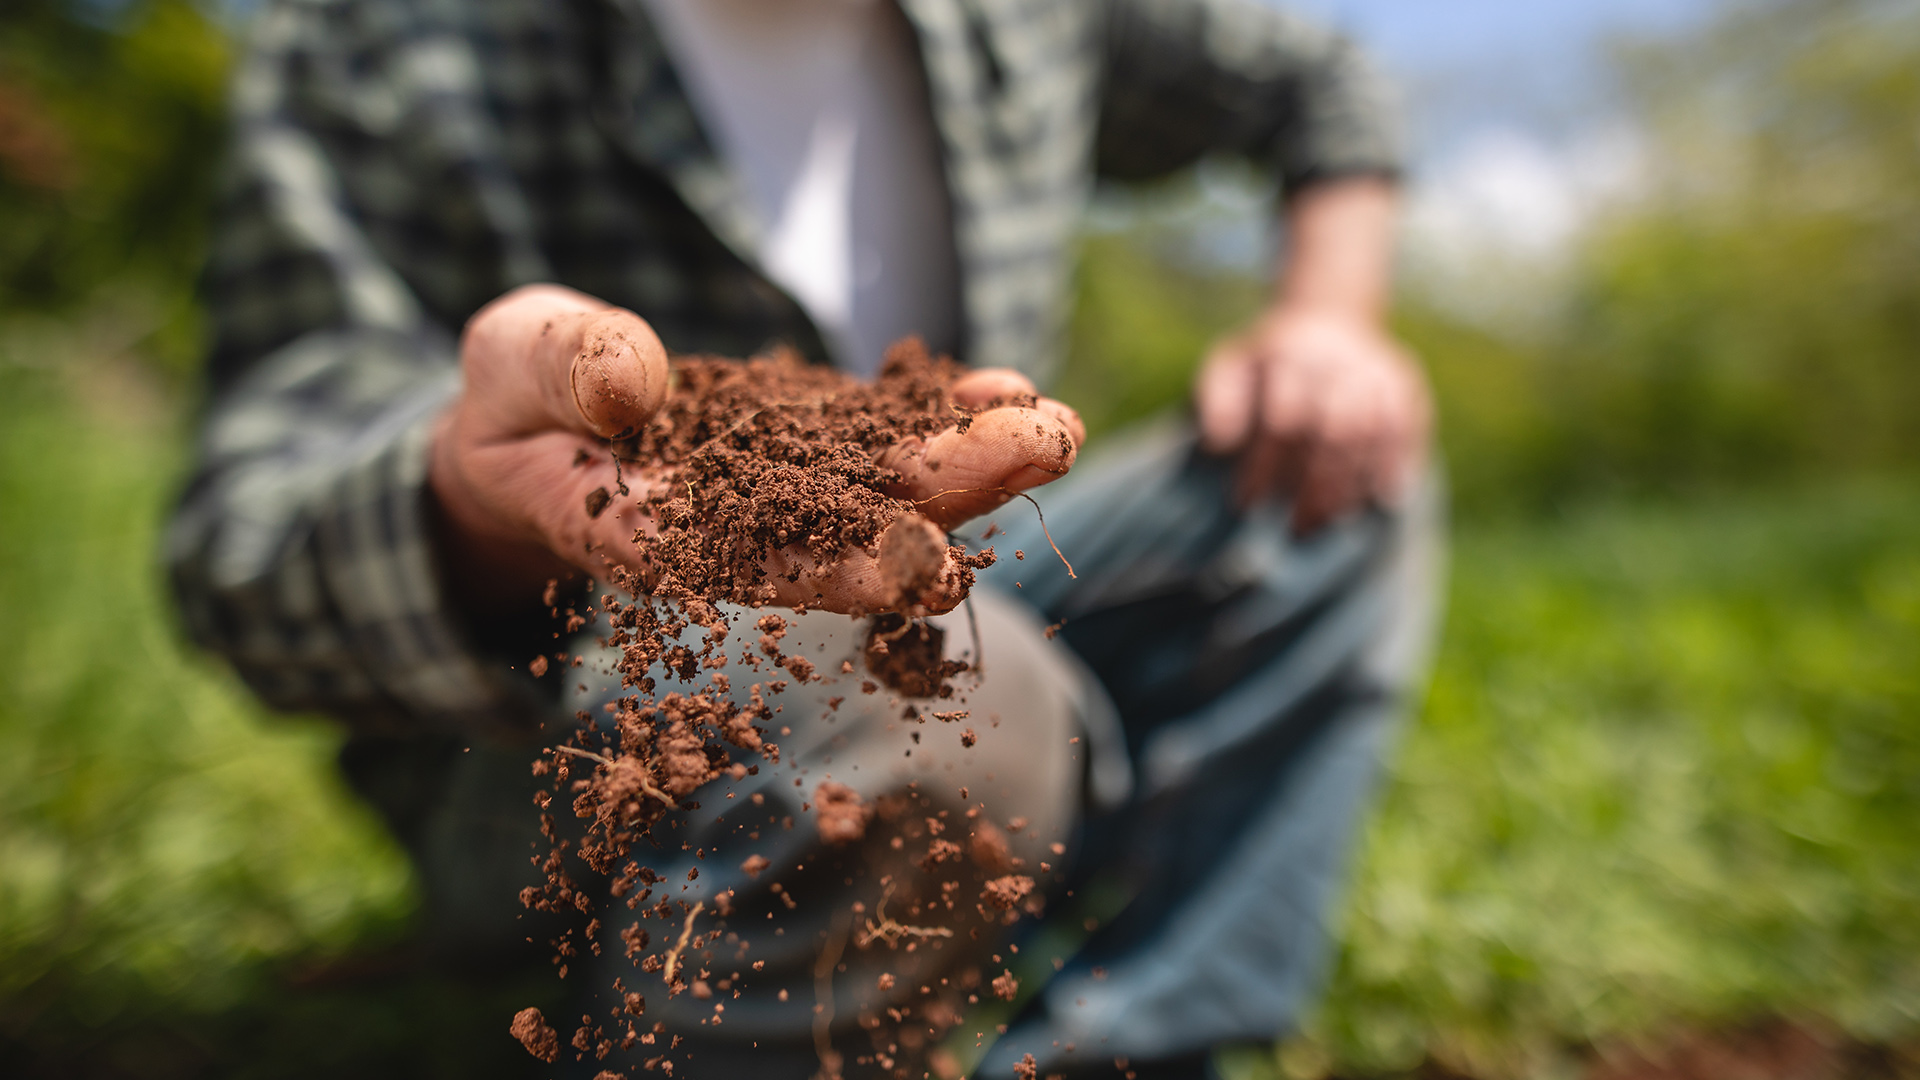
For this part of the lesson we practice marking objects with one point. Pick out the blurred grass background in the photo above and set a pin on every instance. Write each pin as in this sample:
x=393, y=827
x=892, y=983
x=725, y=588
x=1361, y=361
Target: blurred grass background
x=1667, y=779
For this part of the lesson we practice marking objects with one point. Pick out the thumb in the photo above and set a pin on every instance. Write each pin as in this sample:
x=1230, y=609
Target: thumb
x=543, y=357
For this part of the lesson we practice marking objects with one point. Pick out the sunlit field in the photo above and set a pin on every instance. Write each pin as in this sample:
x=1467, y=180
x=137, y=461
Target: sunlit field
x=1664, y=785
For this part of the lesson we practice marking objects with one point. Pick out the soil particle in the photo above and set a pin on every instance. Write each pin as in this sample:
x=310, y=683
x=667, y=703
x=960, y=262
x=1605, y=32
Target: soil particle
x=840, y=815
x=989, y=849
x=1005, y=986
x=908, y=657
x=535, y=1034
x=597, y=501
x=1005, y=892
x=755, y=473
x=1026, y=1068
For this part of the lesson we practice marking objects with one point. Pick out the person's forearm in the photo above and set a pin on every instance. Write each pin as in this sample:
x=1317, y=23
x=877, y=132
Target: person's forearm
x=1339, y=252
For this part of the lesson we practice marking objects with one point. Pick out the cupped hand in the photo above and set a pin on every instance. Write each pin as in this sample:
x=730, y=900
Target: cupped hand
x=552, y=375
x=1325, y=408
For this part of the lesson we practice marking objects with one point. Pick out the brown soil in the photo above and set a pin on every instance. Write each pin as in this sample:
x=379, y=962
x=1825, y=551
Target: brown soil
x=757, y=456
x=906, y=655
x=532, y=1030
x=751, y=465
x=842, y=817
x=1005, y=892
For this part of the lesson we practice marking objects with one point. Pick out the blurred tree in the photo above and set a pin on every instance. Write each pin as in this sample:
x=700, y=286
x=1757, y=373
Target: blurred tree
x=1144, y=314
x=1759, y=314
x=1753, y=316
x=110, y=125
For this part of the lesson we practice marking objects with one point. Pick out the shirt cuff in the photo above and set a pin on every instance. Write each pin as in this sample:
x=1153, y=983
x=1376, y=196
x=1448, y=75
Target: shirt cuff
x=375, y=549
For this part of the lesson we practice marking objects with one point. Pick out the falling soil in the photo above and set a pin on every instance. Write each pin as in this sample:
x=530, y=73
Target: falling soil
x=842, y=817
x=533, y=1032
x=756, y=471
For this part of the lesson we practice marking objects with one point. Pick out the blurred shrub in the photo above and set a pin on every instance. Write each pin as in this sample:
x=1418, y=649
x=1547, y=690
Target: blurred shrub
x=110, y=124
x=158, y=840
x=1144, y=314
x=1754, y=317
x=1759, y=314
x=1667, y=776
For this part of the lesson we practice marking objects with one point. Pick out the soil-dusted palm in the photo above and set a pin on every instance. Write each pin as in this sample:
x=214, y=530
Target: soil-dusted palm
x=576, y=446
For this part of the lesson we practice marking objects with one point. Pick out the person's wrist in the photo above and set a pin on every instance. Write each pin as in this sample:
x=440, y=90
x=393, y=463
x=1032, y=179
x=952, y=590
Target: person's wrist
x=1348, y=314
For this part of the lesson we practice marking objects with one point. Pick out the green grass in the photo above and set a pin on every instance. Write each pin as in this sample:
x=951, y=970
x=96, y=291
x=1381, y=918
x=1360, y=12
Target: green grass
x=1669, y=773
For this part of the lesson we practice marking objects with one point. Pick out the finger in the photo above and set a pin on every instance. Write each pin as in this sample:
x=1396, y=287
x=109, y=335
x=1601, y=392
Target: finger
x=545, y=358
x=562, y=490
x=981, y=388
x=913, y=572
x=1224, y=400
x=588, y=523
x=1348, y=438
x=1068, y=416
x=1287, y=419
x=957, y=475
x=990, y=386
x=1329, y=486
x=618, y=376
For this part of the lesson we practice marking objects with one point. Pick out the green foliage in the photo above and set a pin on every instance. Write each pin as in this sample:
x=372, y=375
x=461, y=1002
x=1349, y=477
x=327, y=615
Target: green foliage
x=159, y=837
x=109, y=139
x=1761, y=315
x=1667, y=774
x=1757, y=316
x=1754, y=318
x=1141, y=321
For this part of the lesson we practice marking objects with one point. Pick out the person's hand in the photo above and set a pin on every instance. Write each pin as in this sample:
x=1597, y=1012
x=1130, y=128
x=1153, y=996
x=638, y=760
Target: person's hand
x=1325, y=408
x=551, y=375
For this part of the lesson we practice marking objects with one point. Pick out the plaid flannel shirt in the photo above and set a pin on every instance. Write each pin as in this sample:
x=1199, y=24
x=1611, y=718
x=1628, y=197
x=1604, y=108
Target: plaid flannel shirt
x=398, y=163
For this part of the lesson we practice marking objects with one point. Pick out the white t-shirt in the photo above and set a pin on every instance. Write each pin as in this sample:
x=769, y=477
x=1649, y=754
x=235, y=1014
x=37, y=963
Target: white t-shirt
x=820, y=107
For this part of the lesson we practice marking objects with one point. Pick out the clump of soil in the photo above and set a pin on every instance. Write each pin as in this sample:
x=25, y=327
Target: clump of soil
x=1005, y=892
x=531, y=1028
x=908, y=656
x=758, y=456
x=842, y=817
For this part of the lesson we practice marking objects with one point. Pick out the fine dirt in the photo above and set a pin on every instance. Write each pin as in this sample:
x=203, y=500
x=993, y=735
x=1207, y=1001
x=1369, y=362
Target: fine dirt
x=756, y=474
x=765, y=466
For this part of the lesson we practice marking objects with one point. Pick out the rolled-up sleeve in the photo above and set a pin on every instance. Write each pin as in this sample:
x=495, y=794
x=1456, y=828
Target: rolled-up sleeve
x=1189, y=78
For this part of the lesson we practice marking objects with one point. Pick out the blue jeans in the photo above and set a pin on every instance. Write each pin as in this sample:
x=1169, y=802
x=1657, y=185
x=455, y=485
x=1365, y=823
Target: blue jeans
x=1257, y=678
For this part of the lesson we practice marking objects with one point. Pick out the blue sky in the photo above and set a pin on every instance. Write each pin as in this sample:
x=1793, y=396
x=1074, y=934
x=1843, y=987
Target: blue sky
x=1470, y=64
x=1428, y=32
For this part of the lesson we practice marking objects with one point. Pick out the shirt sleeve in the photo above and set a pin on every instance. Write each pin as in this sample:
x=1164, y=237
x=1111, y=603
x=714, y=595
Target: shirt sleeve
x=302, y=549
x=1188, y=78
